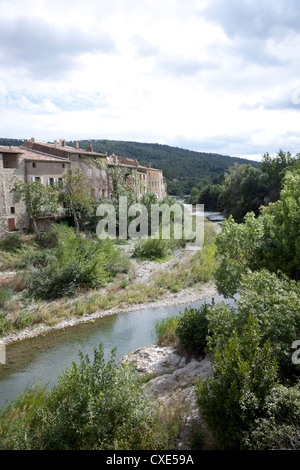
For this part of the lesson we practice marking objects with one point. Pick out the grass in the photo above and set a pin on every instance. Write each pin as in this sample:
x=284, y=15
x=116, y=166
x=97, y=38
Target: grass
x=165, y=330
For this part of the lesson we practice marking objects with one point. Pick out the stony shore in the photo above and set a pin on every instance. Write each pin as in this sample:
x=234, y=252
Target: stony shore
x=172, y=387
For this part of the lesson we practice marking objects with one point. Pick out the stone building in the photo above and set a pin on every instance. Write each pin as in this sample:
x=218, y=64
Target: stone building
x=92, y=164
x=48, y=163
x=144, y=179
x=156, y=182
x=12, y=214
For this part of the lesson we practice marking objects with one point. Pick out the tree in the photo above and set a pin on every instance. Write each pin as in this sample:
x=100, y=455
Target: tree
x=274, y=169
x=39, y=200
x=282, y=228
x=238, y=246
x=271, y=241
x=76, y=195
x=243, y=190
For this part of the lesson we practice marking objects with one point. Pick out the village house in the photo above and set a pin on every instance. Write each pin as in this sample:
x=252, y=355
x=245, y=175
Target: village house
x=12, y=213
x=48, y=163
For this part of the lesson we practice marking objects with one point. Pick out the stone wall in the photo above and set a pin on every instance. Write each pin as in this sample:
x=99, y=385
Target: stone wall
x=10, y=209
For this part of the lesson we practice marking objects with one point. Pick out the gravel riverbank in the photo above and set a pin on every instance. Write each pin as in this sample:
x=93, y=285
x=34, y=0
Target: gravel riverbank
x=182, y=297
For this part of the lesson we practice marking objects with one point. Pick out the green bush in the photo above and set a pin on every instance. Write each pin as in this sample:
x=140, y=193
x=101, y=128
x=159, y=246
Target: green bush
x=275, y=302
x=279, y=429
x=77, y=262
x=49, y=239
x=6, y=294
x=192, y=329
x=117, y=261
x=152, y=249
x=96, y=405
x=37, y=259
x=11, y=242
x=244, y=373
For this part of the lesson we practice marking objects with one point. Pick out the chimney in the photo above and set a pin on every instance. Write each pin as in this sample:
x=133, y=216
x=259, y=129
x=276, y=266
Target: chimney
x=60, y=143
x=149, y=165
x=63, y=143
x=77, y=145
x=89, y=147
x=55, y=143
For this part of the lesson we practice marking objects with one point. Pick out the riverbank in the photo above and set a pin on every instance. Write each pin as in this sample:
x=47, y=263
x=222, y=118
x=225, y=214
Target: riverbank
x=180, y=298
x=182, y=278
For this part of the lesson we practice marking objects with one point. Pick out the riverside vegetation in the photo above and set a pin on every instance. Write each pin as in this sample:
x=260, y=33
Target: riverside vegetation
x=252, y=398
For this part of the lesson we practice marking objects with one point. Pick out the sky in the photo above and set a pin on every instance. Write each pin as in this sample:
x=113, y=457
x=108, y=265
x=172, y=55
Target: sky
x=219, y=76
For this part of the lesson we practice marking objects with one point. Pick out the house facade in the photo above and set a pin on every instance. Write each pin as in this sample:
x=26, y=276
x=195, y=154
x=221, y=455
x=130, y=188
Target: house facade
x=48, y=164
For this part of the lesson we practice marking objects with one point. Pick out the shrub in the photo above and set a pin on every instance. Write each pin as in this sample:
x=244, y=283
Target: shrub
x=279, y=429
x=77, y=262
x=96, y=405
x=11, y=242
x=192, y=328
x=152, y=249
x=275, y=302
x=6, y=294
x=49, y=239
x=117, y=261
x=244, y=373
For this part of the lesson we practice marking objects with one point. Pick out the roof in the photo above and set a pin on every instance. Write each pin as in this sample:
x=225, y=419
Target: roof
x=59, y=149
x=33, y=155
x=9, y=150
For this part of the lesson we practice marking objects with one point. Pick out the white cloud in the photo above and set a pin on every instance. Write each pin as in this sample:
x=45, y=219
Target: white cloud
x=219, y=74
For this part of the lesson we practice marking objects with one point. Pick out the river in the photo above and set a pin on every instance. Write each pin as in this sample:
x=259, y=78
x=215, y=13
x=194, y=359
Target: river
x=45, y=357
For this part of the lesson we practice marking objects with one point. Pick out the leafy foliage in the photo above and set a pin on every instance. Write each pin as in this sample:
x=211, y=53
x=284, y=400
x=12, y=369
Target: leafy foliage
x=38, y=199
x=76, y=262
x=244, y=373
x=98, y=405
x=11, y=242
x=279, y=428
x=270, y=241
x=192, y=328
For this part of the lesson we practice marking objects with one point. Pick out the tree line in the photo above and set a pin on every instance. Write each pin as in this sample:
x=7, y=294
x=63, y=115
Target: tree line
x=244, y=188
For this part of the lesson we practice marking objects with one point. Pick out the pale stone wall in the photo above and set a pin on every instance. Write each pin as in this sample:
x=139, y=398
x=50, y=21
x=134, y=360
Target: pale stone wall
x=44, y=169
x=96, y=176
x=9, y=208
x=156, y=182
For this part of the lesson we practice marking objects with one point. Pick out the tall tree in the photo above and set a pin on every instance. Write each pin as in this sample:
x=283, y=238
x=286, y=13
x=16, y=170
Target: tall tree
x=76, y=195
x=39, y=200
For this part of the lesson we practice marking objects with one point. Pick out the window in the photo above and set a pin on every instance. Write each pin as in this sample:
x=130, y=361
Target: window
x=89, y=173
x=36, y=179
x=63, y=165
x=34, y=165
x=97, y=173
x=12, y=210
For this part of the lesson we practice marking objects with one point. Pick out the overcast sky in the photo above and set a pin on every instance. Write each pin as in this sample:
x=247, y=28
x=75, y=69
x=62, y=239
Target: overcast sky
x=211, y=75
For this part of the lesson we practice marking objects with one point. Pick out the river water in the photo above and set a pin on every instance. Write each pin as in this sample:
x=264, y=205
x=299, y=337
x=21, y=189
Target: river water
x=45, y=357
